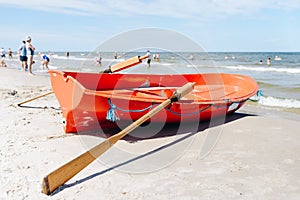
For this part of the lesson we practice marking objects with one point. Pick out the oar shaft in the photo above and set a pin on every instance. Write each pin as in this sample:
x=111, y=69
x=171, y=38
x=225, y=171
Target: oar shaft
x=113, y=139
x=61, y=175
x=34, y=98
x=70, y=169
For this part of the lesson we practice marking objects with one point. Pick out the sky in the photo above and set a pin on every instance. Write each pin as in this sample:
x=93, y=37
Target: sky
x=215, y=25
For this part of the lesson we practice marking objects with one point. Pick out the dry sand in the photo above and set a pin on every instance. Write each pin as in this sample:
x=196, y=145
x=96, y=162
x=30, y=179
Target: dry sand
x=250, y=156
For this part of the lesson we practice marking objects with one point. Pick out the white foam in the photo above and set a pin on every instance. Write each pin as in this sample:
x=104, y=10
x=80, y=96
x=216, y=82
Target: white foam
x=113, y=60
x=265, y=69
x=278, y=102
x=69, y=58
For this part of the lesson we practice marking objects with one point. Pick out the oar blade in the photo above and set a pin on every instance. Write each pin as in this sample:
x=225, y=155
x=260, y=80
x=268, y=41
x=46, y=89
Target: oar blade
x=127, y=63
x=61, y=175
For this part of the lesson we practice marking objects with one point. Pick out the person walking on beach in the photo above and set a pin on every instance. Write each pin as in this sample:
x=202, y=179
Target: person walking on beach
x=30, y=52
x=22, y=54
x=10, y=54
x=2, y=54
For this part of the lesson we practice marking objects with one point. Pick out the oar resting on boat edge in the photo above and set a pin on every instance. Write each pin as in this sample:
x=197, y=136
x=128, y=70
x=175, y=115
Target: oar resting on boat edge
x=125, y=64
x=114, y=68
x=64, y=173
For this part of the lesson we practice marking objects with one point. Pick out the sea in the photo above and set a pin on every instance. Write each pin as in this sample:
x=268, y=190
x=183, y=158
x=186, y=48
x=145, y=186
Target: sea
x=279, y=80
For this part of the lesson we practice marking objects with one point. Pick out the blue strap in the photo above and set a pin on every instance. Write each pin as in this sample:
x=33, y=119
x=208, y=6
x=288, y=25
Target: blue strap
x=112, y=115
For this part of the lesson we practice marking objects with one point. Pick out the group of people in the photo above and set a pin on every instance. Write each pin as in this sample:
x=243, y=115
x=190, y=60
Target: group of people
x=268, y=61
x=155, y=57
x=26, y=53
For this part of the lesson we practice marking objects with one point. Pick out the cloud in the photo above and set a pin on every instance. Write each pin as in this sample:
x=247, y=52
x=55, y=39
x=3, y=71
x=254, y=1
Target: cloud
x=196, y=9
x=73, y=7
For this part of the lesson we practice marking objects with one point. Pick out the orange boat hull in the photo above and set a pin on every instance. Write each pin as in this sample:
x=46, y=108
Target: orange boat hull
x=90, y=101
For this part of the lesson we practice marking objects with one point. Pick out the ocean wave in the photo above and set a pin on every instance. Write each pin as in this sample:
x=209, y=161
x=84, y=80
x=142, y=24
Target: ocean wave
x=279, y=102
x=113, y=60
x=266, y=85
x=264, y=69
x=70, y=58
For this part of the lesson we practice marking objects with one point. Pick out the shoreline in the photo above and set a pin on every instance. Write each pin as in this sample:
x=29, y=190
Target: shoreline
x=254, y=154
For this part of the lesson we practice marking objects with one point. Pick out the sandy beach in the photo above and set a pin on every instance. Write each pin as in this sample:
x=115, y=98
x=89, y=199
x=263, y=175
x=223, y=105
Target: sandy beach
x=253, y=155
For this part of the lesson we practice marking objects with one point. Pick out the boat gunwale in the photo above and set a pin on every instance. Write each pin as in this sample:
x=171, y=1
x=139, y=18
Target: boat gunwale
x=113, y=93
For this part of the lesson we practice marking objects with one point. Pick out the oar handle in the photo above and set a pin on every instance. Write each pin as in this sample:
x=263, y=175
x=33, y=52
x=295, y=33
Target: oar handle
x=182, y=91
x=61, y=175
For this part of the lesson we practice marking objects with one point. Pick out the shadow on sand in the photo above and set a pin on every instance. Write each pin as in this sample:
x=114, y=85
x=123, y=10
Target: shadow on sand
x=166, y=131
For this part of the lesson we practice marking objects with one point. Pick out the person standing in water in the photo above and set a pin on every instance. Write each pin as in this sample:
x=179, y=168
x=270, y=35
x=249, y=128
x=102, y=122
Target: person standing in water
x=269, y=61
x=30, y=53
x=99, y=59
x=10, y=52
x=45, y=60
x=149, y=58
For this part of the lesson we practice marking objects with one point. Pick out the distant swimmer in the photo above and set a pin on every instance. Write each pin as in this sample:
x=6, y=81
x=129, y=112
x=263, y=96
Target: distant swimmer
x=191, y=57
x=67, y=54
x=269, y=61
x=260, y=62
x=157, y=57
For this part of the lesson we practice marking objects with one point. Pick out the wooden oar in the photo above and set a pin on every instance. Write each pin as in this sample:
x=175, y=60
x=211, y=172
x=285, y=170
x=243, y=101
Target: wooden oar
x=61, y=175
x=125, y=64
x=26, y=101
x=114, y=68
